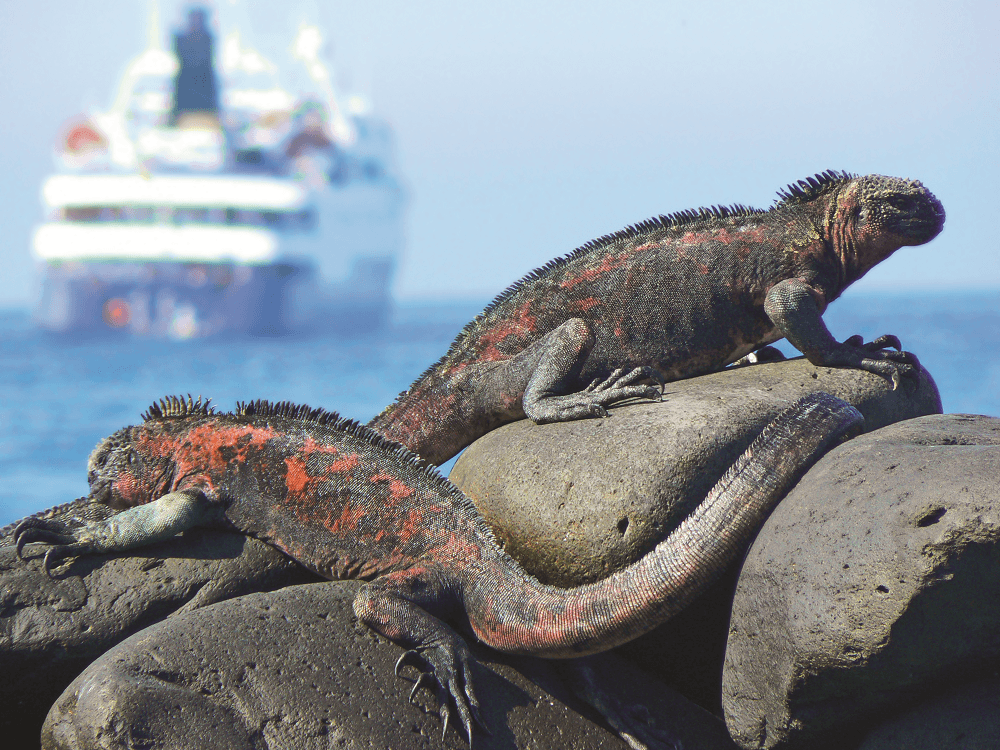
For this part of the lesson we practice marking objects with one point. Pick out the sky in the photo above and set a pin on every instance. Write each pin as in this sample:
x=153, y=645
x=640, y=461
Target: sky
x=525, y=129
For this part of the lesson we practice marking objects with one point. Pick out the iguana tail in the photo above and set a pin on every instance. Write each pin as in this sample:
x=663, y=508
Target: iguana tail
x=525, y=616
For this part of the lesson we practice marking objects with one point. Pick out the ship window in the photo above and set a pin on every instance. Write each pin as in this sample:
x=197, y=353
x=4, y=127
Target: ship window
x=251, y=156
x=280, y=220
x=83, y=213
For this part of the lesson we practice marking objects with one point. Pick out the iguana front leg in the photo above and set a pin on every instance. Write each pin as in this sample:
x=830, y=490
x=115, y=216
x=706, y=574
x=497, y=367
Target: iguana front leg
x=557, y=361
x=792, y=307
x=135, y=527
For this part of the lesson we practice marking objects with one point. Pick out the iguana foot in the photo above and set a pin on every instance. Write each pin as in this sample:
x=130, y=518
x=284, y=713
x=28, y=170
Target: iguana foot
x=448, y=668
x=874, y=357
x=592, y=400
x=65, y=540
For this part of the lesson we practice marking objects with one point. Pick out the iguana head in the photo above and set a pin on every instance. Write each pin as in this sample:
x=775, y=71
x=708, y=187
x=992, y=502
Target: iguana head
x=121, y=475
x=136, y=464
x=874, y=216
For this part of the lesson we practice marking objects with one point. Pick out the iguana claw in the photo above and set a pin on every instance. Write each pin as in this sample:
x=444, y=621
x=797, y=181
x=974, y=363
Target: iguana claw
x=877, y=356
x=888, y=341
x=449, y=673
x=64, y=543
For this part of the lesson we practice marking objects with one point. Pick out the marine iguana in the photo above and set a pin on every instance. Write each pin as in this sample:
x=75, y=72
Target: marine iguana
x=673, y=297
x=347, y=503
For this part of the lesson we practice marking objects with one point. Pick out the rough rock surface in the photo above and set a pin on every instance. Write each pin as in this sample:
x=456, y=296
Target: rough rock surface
x=872, y=585
x=294, y=668
x=50, y=629
x=967, y=718
x=575, y=501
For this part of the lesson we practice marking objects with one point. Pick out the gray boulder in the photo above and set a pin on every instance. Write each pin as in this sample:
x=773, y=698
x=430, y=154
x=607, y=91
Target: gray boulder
x=574, y=502
x=873, y=584
x=50, y=629
x=294, y=668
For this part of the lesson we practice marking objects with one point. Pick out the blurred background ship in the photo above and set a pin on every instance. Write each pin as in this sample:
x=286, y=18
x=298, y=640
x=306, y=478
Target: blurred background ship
x=221, y=195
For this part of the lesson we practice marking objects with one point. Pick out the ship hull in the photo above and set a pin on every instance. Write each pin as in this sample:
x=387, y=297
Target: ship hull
x=171, y=299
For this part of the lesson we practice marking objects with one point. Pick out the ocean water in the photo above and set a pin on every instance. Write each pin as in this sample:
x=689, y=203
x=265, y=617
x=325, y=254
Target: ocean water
x=59, y=397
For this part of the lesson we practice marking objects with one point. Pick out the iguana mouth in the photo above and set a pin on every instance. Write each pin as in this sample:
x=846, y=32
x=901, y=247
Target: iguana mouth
x=920, y=229
x=922, y=224
x=101, y=495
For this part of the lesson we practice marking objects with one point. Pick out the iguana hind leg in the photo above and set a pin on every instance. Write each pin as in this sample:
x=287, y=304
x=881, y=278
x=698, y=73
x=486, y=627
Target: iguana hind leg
x=387, y=606
x=549, y=394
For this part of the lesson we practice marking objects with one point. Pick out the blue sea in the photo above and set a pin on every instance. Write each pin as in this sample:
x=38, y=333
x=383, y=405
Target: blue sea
x=59, y=397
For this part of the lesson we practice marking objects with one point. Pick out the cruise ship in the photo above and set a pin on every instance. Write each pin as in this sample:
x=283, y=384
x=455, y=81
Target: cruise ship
x=221, y=195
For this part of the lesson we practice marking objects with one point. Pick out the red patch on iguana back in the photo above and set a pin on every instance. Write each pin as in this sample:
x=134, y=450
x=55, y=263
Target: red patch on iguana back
x=608, y=263
x=398, y=490
x=214, y=446
x=203, y=454
x=309, y=445
x=345, y=464
x=348, y=520
x=296, y=477
x=520, y=325
x=582, y=305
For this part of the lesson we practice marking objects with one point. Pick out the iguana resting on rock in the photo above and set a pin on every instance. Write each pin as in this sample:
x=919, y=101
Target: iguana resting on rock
x=346, y=503
x=674, y=297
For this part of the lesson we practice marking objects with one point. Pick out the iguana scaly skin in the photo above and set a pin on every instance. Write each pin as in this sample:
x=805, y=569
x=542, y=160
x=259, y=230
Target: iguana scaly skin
x=346, y=503
x=673, y=297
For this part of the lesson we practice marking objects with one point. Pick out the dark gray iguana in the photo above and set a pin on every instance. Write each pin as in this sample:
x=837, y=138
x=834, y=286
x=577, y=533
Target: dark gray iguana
x=674, y=297
x=347, y=503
